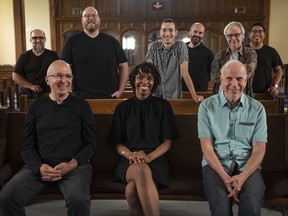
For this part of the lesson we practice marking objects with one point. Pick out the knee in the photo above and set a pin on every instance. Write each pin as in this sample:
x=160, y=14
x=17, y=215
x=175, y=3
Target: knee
x=142, y=171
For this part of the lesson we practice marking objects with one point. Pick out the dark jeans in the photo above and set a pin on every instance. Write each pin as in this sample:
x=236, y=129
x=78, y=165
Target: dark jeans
x=75, y=187
x=251, y=195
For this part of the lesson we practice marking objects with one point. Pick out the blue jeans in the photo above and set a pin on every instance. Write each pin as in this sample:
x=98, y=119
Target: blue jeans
x=75, y=187
x=251, y=195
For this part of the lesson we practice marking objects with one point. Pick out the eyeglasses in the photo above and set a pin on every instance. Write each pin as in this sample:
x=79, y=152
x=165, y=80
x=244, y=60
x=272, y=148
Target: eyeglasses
x=87, y=16
x=237, y=35
x=59, y=76
x=36, y=38
x=257, y=31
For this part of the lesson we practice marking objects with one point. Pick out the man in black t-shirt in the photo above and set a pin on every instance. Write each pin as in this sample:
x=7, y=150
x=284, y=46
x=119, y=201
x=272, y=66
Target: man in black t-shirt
x=200, y=59
x=98, y=61
x=32, y=65
x=268, y=61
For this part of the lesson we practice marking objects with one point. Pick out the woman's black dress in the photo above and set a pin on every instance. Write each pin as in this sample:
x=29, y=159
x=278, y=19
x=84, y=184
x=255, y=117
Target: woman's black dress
x=143, y=125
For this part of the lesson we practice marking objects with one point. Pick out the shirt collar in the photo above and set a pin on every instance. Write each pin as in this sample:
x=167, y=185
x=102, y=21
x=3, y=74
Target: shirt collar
x=240, y=51
x=224, y=101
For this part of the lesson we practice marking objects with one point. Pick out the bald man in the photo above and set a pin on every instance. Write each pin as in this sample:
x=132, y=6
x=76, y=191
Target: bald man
x=233, y=135
x=31, y=67
x=200, y=59
x=97, y=59
x=59, y=140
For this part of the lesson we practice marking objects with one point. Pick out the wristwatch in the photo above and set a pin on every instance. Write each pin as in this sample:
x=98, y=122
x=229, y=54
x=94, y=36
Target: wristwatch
x=275, y=85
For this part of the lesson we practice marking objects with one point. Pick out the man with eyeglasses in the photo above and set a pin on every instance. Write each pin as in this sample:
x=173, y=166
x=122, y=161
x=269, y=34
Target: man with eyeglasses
x=59, y=140
x=268, y=61
x=31, y=67
x=234, y=33
x=98, y=61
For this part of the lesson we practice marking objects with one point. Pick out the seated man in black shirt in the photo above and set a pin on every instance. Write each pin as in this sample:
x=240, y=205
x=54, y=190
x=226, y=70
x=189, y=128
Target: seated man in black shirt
x=59, y=140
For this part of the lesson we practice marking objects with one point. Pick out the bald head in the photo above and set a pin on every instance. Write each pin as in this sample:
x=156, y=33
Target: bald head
x=89, y=10
x=58, y=66
x=235, y=66
x=196, y=33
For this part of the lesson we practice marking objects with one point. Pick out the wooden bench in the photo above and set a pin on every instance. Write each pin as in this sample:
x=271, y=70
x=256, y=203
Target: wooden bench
x=178, y=105
x=184, y=156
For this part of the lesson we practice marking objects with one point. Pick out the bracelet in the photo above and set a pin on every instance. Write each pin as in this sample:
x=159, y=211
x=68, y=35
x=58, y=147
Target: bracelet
x=123, y=152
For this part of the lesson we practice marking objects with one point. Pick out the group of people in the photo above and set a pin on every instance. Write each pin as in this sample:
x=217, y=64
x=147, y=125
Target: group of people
x=60, y=137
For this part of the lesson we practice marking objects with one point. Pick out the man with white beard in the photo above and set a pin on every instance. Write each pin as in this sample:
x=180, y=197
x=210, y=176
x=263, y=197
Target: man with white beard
x=98, y=62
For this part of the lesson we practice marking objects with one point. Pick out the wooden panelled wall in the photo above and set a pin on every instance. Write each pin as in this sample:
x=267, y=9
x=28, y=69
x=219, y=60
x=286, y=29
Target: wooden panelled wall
x=145, y=16
x=120, y=16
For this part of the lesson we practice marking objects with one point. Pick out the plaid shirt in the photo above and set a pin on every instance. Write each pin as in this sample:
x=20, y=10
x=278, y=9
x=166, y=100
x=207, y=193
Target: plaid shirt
x=247, y=56
x=168, y=62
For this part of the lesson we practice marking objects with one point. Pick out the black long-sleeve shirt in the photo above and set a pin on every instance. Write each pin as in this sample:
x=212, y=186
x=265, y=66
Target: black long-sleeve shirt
x=58, y=133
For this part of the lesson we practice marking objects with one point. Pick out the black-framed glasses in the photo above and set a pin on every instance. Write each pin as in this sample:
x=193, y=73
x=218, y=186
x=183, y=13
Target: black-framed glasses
x=257, y=31
x=87, y=16
x=237, y=35
x=59, y=76
x=35, y=38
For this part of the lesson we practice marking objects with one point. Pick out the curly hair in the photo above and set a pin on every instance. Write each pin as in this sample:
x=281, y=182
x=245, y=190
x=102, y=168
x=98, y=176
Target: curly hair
x=146, y=68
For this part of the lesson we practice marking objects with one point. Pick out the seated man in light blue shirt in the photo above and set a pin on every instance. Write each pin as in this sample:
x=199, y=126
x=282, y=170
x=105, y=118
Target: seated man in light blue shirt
x=233, y=134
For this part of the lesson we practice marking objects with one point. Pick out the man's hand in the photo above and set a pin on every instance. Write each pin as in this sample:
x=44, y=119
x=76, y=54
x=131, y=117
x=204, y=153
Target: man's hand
x=65, y=167
x=36, y=88
x=48, y=173
x=197, y=98
x=273, y=91
x=117, y=94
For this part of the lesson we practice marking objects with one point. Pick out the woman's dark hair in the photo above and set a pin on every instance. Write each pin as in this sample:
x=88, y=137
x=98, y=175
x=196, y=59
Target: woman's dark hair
x=146, y=68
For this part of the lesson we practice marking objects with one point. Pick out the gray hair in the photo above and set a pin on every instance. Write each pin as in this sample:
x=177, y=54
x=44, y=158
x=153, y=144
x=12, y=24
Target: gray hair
x=237, y=24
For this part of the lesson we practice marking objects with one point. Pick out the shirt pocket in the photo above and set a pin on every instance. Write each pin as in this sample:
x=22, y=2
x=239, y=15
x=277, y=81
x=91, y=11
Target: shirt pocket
x=246, y=130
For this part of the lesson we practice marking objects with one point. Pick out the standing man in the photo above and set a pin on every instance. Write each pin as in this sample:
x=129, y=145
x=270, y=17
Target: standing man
x=268, y=61
x=233, y=135
x=200, y=59
x=31, y=67
x=59, y=140
x=171, y=59
x=98, y=61
x=234, y=33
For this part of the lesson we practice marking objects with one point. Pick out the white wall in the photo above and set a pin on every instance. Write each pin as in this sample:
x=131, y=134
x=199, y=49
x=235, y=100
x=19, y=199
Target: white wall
x=37, y=16
x=7, y=35
x=278, y=29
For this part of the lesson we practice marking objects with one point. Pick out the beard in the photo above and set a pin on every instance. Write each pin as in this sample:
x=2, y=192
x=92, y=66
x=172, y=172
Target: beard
x=38, y=47
x=91, y=26
x=195, y=40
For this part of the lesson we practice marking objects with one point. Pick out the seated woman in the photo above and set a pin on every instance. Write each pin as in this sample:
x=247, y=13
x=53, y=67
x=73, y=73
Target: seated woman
x=142, y=130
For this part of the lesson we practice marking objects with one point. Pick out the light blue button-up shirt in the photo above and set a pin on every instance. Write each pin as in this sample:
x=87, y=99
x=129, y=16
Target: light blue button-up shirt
x=233, y=132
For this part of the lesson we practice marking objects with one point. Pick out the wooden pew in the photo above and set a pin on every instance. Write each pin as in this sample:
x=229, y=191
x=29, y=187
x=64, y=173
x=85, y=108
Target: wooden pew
x=106, y=106
x=184, y=157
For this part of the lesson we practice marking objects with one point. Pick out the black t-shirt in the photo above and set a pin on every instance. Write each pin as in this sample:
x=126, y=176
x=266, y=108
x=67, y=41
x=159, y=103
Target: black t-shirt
x=200, y=60
x=34, y=68
x=267, y=59
x=94, y=63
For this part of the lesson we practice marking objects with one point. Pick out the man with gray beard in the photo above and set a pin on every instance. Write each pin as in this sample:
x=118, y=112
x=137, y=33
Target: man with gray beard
x=32, y=65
